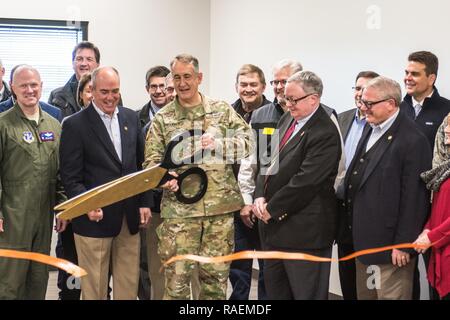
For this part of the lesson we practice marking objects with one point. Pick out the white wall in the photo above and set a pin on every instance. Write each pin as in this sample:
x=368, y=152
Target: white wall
x=331, y=38
x=132, y=35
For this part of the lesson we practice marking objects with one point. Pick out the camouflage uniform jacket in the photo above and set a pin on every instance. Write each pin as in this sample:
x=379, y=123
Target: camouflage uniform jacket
x=233, y=137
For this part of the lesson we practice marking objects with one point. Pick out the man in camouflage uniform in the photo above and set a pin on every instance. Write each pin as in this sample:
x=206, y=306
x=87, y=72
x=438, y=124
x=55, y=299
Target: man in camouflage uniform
x=29, y=141
x=205, y=227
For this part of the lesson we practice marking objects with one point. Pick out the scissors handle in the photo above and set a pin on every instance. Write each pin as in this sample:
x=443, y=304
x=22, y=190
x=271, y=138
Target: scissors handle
x=167, y=160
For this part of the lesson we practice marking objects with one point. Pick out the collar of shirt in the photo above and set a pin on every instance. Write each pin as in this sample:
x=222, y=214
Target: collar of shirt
x=2, y=91
x=415, y=102
x=301, y=123
x=105, y=115
x=359, y=118
x=383, y=127
x=186, y=113
x=153, y=110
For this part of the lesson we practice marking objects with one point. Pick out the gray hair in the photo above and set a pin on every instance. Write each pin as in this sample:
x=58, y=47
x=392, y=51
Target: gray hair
x=169, y=77
x=1, y=63
x=308, y=81
x=97, y=71
x=188, y=59
x=293, y=65
x=388, y=88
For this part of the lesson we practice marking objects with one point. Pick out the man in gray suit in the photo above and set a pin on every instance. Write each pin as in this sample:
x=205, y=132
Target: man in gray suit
x=351, y=123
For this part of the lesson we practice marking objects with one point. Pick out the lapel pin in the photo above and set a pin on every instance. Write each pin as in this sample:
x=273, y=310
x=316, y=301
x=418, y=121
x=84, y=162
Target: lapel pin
x=125, y=128
x=390, y=138
x=303, y=132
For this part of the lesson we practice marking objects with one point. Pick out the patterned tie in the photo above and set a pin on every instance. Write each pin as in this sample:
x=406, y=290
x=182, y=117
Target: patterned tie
x=287, y=135
x=417, y=109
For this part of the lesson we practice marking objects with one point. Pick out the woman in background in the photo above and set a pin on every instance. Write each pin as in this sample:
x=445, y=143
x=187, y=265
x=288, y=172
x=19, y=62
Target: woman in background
x=84, y=91
x=437, y=229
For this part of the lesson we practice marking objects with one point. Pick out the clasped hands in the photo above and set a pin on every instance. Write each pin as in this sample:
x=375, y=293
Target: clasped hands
x=145, y=216
x=258, y=210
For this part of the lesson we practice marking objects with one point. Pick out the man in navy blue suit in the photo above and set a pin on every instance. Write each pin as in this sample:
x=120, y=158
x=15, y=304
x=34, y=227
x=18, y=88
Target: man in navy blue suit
x=99, y=144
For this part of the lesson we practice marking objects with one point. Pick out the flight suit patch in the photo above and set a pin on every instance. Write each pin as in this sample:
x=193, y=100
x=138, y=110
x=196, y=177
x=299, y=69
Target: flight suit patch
x=28, y=137
x=47, y=136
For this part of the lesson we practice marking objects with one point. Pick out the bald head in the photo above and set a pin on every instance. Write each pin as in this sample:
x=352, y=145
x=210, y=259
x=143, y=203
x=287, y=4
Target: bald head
x=106, y=89
x=102, y=73
x=24, y=69
x=27, y=86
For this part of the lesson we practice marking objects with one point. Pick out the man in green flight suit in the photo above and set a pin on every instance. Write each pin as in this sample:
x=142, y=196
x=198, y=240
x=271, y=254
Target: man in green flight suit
x=29, y=141
x=205, y=227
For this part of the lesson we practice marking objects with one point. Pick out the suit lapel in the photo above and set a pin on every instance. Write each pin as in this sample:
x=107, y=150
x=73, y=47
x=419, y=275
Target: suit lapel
x=348, y=121
x=361, y=143
x=98, y=127
x=291, y=144
x=384, y=143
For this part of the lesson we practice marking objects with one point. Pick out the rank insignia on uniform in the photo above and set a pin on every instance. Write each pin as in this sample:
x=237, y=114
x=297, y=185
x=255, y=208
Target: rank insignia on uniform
x=28, y=137
x=47, y=136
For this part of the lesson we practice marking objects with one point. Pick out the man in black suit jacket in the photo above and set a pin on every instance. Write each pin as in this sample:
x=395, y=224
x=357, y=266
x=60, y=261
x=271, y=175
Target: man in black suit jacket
x=99, y=144
x=384, y=194
x=351, y=123
x=422, y=103
x=296, y=200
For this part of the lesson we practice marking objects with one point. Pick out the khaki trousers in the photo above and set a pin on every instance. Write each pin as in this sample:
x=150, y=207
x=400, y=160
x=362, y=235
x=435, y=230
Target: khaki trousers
x=95, y=255
x=384, y=281
x=154, y=261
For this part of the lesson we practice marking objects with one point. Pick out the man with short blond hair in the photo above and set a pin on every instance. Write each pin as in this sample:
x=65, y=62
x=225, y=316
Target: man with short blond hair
x=29, y=142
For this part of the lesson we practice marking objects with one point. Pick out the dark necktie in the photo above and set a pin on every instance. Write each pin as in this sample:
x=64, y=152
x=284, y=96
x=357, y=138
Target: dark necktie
x=287, y=135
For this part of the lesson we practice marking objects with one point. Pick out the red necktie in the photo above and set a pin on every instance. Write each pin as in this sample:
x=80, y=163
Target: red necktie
x=287, y=135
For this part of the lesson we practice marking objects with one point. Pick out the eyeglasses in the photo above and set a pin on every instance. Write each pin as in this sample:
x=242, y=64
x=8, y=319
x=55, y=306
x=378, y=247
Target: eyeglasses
x=169, y=90
x=275, y=83
x=295, y=101
x=154, y=87
x=369, y=104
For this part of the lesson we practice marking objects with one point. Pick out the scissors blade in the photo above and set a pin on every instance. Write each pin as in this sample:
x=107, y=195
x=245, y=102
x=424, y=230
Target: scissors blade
x=111, y=192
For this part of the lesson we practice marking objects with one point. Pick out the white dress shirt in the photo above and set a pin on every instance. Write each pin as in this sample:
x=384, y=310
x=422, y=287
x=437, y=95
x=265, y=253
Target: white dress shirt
x=380, y=129
x=112, y=126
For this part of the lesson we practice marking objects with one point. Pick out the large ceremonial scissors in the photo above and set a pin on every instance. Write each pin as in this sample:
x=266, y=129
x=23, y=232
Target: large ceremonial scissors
x=141, y=181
